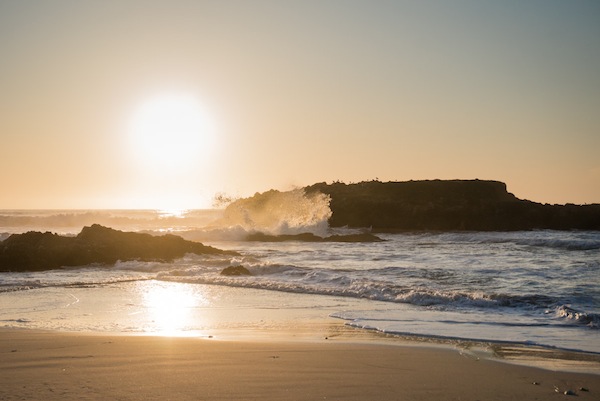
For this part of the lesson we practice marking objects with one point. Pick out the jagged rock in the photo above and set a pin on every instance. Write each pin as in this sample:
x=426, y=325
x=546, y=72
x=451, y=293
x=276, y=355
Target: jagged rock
x=454, y=205
x=35, y=251
x=236, y=271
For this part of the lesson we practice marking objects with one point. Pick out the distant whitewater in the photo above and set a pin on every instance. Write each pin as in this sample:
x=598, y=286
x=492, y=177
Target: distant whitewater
x=72, y=221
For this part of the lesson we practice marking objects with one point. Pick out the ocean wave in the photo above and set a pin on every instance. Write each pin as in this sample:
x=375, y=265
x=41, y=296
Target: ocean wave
x=591, y=320
x=18, y=287
x=575, y=244
x=490, y=336
x=27, y=285
x=290, y=278
x=21, y=320
x=212, y=233
x=272, y=269
x=574, y=241
x=272, y=216
x=379, y=319
x=275, y=213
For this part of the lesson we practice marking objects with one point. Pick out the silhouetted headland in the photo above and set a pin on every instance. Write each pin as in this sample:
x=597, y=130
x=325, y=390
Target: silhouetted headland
x=35, y=251
x=452, y=205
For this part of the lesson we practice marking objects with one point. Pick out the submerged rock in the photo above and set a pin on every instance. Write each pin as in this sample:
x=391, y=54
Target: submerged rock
x=235, y=271
x=36, y=251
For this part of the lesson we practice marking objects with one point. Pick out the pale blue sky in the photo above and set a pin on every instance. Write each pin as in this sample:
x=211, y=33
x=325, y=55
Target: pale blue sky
x=300, y=92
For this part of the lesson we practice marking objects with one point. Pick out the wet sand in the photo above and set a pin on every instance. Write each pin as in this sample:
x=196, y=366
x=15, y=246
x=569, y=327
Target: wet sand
x=67, y=366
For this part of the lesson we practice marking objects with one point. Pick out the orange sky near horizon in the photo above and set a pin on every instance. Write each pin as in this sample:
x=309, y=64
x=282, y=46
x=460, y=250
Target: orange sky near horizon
x=162, y=104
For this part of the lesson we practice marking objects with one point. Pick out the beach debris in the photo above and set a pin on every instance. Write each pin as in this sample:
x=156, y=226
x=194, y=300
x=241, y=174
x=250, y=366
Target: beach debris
x=536, y=383
x=235, y=271
x=584, y=389
x=569, y=392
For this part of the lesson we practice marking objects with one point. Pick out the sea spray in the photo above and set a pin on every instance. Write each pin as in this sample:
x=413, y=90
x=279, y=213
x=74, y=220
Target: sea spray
x=274, y=212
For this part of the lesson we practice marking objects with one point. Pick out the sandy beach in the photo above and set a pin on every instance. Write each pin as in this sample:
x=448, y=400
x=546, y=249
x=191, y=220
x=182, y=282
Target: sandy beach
x=68, y=366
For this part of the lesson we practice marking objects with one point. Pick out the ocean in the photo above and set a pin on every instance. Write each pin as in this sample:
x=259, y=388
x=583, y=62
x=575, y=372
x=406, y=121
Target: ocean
x=534, y=287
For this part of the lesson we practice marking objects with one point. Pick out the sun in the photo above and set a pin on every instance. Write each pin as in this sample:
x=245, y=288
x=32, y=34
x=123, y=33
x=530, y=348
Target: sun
x=171, y=132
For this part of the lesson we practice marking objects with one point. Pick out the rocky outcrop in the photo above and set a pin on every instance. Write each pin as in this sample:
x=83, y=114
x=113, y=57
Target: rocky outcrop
x=447, y=205
x=34, y=251
x=235, y=271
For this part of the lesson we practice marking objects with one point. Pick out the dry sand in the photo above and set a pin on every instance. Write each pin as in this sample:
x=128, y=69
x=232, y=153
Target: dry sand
x=63, y=366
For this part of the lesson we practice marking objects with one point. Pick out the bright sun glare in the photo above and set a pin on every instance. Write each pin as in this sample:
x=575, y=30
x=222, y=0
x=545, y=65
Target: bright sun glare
x=170, y=307
x=171, y=132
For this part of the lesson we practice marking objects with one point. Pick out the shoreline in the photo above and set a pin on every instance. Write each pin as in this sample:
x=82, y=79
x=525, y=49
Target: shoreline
x=329, y=331
x=60, y=365
x=235, y=314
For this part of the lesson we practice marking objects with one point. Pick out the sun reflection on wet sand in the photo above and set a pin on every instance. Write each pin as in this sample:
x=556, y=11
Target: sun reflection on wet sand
x=170, y=307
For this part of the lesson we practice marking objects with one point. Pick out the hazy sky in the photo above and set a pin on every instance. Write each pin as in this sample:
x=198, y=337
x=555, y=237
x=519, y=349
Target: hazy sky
x=296, y=92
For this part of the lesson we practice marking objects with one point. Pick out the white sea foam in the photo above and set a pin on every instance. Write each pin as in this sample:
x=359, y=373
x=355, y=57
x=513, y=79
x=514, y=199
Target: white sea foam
x=276, y=212
x=592, y=320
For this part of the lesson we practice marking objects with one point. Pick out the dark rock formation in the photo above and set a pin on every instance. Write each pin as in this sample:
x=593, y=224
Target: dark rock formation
x=35, y=251
x=235, y=271
x=447, y=206
x=309, y=237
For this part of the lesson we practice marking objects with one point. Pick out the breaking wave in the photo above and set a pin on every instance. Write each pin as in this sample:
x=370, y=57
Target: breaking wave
x=276, y=213
x=272, y=213
x=589, y=319
x=295, y=279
